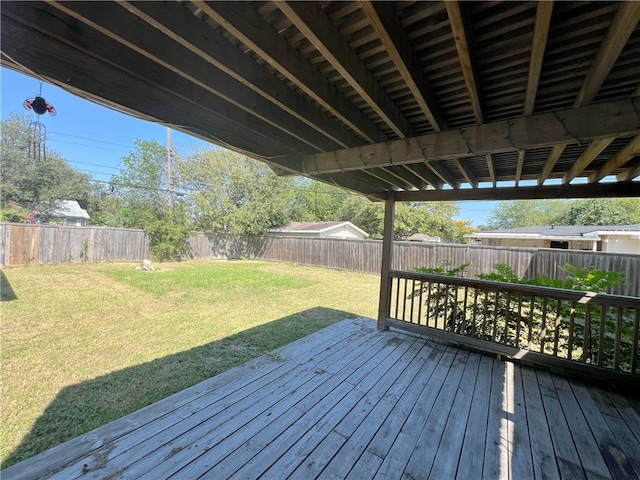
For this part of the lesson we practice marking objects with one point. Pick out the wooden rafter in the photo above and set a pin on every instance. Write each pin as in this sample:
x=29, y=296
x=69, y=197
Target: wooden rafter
x=540, y=35
x=492, y=171
x=458, y=26
x=248, y=26
x=617, y=118
x=625, y=154
x=422, y=172
x=629, y=174
x=89, y=73
x=443, y=173
x=589, y=155
x=624, y=23
x=148, y=41
x=391, y=34
x=519, y=165
x=309, y=18
x=466, y=172
x=176, y=22
x=625, y=20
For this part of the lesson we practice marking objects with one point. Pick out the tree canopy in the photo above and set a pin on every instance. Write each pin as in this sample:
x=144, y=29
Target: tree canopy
x=36, y=182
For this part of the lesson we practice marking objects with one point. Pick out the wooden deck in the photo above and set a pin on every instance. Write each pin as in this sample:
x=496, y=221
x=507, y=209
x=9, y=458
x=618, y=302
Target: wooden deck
x=354, y=402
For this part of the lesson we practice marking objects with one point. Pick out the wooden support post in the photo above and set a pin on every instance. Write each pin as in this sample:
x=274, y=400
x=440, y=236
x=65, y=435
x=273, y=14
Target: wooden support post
x=387, y=257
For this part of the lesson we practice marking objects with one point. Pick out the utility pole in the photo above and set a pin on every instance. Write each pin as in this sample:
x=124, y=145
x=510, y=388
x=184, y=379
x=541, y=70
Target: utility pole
x=170, y=168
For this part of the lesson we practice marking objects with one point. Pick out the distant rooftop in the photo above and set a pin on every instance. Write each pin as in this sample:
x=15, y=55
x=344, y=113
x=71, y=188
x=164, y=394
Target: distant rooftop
x=562, y=230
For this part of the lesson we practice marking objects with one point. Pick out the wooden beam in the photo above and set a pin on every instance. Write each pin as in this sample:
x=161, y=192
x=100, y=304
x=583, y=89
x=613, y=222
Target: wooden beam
x=540, y=35
x=624, y=23
x=408, y=176
x=458, y=26
x=466, y=172
x=146, y=40
x=247, y=25
x=179, y=24
x=552, y=159
x=71, y=69
x=588, y=156
x=310, y=19
x=581, y=190
x=384, y=303
x=519, y=166
x=625, y=154
x=615, y=118
x=629, y=174
x=385, y=23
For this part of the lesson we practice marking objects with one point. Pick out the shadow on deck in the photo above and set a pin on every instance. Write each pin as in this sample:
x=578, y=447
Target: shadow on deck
x=351, y=401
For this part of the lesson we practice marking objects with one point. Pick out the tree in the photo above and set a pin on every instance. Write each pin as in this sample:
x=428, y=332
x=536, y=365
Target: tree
x=526, y=213
x=35, y=183
x=233, y=194
x=141, y=189
x=603, y=211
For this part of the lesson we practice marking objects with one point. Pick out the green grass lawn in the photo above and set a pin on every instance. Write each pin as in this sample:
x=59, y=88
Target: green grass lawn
x=85, y=344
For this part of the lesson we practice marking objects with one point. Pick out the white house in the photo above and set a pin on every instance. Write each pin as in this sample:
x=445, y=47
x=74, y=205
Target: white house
x=71, y=213
x=601, y=238
x=321, y=230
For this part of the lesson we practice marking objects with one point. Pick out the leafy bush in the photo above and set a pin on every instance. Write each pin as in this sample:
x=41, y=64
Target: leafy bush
x=168, y=235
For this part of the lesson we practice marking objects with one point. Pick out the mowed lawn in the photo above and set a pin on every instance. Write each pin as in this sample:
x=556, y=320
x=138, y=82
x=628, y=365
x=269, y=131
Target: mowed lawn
x=84, y=344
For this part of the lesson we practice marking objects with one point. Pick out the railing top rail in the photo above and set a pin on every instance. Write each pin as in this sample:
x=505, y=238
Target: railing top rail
x=578, y=296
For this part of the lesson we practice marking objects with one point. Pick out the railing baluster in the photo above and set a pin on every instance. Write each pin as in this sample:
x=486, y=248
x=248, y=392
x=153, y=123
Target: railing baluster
x=421, y=286
x=485, y=313
x=496, y=307
x=518, y=321
x=634, y=342
x=616, y=348
x=557, y=323
x=474, y=314
x=603, y=323
x=586, y=343
x=464, y=311
x=397, y=315
x=413, y=290
x=543, y=333
x=530, y=334
x=572, y=318
x=404, y=301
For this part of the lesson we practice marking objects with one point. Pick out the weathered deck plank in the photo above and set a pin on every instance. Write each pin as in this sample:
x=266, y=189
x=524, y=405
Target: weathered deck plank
x=355, y=402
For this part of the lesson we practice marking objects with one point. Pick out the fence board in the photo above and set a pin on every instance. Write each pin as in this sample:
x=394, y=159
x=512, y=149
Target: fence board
x=24, y=244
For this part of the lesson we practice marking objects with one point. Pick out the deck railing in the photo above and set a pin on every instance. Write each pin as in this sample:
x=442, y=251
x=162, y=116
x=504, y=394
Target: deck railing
x=570, y=329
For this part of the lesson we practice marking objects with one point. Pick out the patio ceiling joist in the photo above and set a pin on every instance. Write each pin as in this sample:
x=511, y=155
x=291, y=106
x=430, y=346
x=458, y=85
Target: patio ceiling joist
x=317, y=28
x=249, y=27
x=176, y=22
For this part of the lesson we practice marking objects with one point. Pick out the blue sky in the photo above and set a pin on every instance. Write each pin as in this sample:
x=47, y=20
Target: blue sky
x=94, y=138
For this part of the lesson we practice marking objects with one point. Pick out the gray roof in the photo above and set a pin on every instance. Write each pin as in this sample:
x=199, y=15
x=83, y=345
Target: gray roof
x=564, y=230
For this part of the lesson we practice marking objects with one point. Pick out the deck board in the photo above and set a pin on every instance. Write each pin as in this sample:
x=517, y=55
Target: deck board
x=355, y=402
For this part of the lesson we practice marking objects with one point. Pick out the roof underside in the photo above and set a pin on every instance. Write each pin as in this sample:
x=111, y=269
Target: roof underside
x=426, y=100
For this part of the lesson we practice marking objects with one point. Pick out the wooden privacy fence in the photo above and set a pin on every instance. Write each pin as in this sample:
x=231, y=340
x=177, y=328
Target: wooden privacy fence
x=365, y=256
x=569, y=329
x=25, y=244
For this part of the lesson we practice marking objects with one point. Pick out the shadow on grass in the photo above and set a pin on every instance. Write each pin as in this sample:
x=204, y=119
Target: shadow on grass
x=6, y=291
x=80, y=408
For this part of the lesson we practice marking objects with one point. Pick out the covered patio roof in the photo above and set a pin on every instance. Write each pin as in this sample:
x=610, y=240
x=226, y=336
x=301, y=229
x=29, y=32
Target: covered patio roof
x=421, y=100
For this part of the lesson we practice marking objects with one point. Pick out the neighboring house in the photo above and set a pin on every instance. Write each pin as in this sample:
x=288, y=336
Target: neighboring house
x=321, y=230
x=601, y=238
x=421, y=237
x=70, y=213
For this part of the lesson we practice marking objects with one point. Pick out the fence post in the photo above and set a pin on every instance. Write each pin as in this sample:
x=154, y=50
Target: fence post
x=387, y=258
